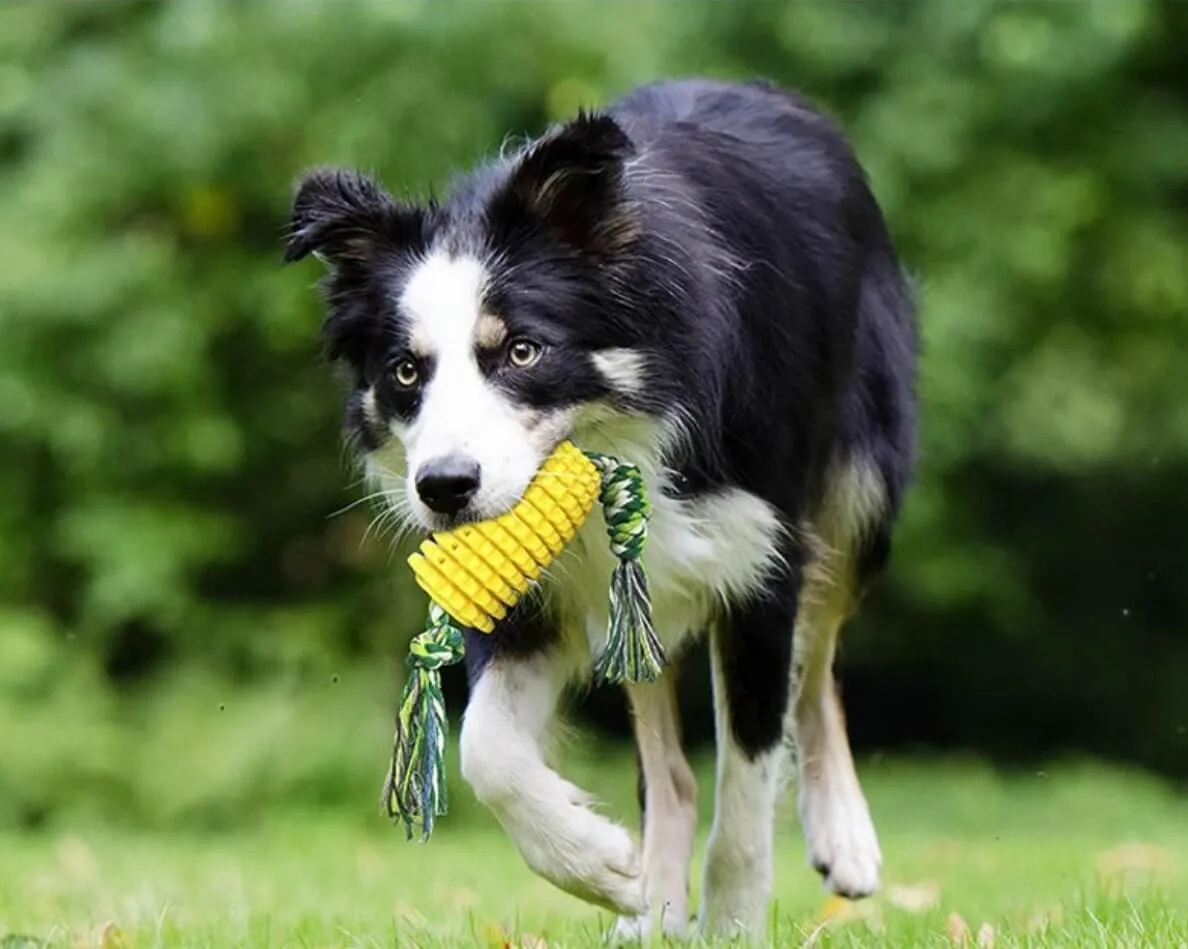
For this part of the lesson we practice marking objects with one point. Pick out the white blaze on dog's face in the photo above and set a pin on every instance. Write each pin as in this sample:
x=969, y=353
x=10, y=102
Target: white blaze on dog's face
x=470, y=449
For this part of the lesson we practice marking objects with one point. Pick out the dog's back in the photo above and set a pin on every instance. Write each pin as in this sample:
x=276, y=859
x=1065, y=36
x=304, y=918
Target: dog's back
x=816, y=345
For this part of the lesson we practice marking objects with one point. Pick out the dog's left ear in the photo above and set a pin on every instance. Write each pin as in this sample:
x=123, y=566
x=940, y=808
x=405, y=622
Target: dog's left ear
x=341, y=216
x=571, y=181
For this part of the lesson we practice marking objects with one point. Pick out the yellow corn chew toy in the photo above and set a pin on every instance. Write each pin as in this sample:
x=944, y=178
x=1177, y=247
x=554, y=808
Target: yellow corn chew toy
x=476, y=573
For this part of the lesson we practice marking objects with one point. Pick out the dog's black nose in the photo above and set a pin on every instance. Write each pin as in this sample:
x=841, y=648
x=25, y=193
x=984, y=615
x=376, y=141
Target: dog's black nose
x=447, y=484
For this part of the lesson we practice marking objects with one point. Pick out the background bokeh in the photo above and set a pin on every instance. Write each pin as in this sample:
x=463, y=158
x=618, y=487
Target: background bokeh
x=194, y=620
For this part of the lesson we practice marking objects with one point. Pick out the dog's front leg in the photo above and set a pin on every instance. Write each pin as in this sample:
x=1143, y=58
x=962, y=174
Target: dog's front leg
x=514, y=693
x=751, y=663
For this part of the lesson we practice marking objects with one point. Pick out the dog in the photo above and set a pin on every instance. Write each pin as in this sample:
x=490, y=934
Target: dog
x=696, y=279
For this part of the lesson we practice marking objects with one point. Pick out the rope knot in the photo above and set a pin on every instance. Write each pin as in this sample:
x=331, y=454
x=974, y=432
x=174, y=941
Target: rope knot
x=441, y=644
x=625, y=506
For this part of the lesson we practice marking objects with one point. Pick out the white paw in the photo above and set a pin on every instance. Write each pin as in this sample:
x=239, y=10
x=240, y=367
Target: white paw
x=639, y=928
x=587, y=857
x=631, y=929
x=716, y=924
x=842, y=844
x=736, y=893
x=610, y=872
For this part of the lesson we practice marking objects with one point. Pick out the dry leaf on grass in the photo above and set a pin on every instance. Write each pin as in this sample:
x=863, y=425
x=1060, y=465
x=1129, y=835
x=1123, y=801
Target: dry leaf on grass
x=834, y=906
x=957, y=929
x=112, y=937
x=495, y=936
x=107, y=936
x=838, y=909
x=914, y=897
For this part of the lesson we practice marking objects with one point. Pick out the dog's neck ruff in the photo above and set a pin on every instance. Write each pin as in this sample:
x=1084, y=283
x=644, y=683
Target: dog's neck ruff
x=475, y=574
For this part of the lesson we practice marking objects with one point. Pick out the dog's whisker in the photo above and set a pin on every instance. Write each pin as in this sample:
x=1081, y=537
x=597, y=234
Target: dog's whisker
x=385, y=520
x=373, y=496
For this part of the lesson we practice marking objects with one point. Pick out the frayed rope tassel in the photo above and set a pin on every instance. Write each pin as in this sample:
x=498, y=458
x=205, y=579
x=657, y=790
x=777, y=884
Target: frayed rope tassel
x=415, y=788
x=633, y=652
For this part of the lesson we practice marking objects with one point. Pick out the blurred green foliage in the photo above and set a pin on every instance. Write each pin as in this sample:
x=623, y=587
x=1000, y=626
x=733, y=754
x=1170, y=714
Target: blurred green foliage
x=170, y=438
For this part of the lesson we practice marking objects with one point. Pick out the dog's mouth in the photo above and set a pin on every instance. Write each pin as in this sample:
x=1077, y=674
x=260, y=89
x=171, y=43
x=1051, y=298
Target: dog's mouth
x=434, y=523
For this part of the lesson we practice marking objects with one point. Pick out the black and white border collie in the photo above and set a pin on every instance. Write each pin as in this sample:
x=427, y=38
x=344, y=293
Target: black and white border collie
x=696, y=279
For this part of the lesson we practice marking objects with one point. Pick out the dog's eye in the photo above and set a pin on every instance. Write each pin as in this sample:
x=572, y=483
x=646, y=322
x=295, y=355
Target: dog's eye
x=406, y=373
x=522, y=353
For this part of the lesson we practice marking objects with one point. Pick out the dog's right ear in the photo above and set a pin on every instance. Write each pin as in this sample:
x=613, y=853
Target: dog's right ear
x=341, y=216
x=572, y=182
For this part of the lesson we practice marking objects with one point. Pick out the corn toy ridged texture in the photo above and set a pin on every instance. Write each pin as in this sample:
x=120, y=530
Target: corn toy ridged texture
x=476, y=573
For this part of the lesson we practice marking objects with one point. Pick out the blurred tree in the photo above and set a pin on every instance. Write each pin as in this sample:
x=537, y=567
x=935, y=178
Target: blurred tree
x=171, y=440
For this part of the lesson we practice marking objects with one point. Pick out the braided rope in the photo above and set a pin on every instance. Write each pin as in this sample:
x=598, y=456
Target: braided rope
x=625, y=505
x=415, y=788
x=633, y=651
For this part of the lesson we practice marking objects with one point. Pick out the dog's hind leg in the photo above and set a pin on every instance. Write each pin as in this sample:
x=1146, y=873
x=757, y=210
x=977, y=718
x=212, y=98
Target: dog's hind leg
x=840, y=836
x=513, y=697
x=668, y=801
x=839, y=833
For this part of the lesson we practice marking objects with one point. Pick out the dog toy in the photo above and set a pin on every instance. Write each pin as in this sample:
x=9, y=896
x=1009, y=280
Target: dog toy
x=476, y=573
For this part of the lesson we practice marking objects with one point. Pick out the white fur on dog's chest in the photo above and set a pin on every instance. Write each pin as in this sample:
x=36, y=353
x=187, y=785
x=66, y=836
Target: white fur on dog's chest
x=701, y=553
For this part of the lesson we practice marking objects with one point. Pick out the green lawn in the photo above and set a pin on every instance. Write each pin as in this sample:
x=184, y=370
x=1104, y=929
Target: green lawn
x=1078, y=856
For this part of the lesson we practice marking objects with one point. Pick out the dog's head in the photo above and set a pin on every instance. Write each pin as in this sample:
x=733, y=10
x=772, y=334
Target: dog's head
x=478, y=331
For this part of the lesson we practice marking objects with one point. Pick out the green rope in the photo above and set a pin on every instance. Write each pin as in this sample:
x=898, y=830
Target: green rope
x=415, y=789
x=633, y=652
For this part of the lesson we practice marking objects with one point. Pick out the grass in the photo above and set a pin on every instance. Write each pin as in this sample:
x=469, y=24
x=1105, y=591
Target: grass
x=1080, y=856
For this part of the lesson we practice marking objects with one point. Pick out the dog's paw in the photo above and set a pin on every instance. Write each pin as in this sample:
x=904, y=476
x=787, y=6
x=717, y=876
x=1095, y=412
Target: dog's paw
x=628, y=929
x=842, y=844
x=585, y=855
x=607, y=871
x=734, y=903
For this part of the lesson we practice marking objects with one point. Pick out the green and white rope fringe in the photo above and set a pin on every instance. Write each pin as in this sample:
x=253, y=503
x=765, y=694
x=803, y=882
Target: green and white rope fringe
x=415, y=787
x=632, y=652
